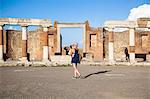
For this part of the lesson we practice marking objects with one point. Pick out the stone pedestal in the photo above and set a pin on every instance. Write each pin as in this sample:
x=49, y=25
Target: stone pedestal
x=148, y=58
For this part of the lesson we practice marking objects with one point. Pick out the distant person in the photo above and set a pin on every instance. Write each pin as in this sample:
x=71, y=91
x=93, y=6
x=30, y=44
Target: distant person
x=70, y=50
x=67, y=50
x=74, y=53
x=127, y=54
x=70, y=46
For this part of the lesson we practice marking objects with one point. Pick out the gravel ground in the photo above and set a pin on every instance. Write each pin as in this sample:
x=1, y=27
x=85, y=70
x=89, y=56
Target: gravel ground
x=101, y=82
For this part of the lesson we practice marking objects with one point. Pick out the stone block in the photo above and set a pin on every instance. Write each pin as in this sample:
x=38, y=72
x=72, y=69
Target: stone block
x=148, y=58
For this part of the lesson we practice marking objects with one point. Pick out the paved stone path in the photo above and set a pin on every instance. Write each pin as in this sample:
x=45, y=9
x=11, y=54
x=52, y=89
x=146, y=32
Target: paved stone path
x=101, y=82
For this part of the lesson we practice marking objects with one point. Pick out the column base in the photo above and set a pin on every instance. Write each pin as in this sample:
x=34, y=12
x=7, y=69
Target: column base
x=1, y=61
x=46, y=61
x=45, y=52
x=148, y=58
x=112, y=62
x=132, y=61
x=132, y=58
x=111, y=51
x=24, y=61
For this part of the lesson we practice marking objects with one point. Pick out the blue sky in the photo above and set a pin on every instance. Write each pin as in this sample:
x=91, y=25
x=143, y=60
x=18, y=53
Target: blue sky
x=95, y=11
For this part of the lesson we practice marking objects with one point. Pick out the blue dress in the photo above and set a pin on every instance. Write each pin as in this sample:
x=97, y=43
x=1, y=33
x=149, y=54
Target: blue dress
x=75, y=58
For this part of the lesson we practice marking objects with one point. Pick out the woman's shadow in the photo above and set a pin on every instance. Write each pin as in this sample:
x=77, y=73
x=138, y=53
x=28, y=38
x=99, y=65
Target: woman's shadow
x=99, y=72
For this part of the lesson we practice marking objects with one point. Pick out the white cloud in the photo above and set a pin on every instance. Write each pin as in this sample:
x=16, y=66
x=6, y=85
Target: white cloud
x=141, y=11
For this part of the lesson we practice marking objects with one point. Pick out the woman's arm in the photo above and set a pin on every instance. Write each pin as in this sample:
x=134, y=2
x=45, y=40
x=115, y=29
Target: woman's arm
x=71, y=52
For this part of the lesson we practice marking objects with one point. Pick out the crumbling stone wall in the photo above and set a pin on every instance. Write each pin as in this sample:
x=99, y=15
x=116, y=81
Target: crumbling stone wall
x=13, y=44
x=52, y=41
x=35, y=44
x=35, y=48
x=14, y=50
x=121, y=40
x=142, y=42
x=94, y=45
x=106, y=41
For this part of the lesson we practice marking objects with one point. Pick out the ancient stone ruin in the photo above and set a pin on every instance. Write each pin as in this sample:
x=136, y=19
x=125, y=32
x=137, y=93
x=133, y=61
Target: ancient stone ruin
x=101, y=44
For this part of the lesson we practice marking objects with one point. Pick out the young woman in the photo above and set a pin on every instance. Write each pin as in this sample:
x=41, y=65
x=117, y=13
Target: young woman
x=74, y=52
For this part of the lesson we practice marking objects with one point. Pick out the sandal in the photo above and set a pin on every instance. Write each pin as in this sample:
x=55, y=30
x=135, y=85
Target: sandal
x=81, y=77
x=73, y=77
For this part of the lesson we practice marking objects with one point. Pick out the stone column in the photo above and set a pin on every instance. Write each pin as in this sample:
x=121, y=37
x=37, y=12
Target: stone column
x=111, y=46
x=84, y=39
x=45, y=44
x=58, y=40
x=1, y=44
x=132, y=45
x=24, y=44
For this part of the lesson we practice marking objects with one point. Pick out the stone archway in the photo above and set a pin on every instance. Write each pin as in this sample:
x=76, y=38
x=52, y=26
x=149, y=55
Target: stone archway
x=58, y=26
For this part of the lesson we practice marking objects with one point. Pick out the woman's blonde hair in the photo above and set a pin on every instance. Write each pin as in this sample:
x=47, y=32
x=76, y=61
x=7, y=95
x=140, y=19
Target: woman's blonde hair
x=74, y=44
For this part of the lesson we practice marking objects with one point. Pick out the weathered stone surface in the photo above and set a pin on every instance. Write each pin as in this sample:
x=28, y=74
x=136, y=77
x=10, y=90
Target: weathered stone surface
x=142, y=22
x=14, y=50
x=95, y=40
x=148, y=58
x=94, y=45
x=122, y=24
x=25, y=22
x=34, y=44
x=52, y=41
x=142, y=42
x=106, y=41
x=121, y=40
x=61, y=60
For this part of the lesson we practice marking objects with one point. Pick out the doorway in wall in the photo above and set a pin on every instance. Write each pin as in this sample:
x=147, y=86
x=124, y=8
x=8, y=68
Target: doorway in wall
x=69, y=36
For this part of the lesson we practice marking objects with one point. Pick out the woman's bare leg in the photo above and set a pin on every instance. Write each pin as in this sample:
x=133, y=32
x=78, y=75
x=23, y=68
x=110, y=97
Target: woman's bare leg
x=74, y=67
x=77, y=71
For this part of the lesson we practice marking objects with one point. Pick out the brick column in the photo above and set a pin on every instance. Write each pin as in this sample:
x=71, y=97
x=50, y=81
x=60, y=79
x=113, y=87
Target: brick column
x=1, y=44
x=58, y=41
x=132, y=45
x=111, y=45
x=24, y=44
x=45, y=44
